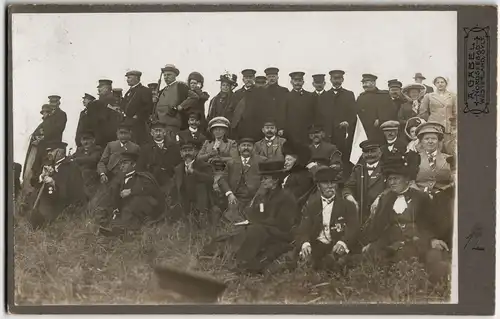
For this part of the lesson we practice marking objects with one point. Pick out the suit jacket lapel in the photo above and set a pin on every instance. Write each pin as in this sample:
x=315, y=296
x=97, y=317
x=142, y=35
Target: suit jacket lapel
x=376, y=175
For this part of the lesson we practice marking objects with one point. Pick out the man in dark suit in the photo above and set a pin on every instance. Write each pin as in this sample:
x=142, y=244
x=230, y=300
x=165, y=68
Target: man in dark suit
x=241, y=179
x=322, y=150
x=248, y=77
x=137, y=104
x=159, y=157
x=419, y=78
x=138, y=199
x=396, y=95
x=193, y=182
x=103, y=117
x=394, y=144
x=62, y=184
x=298, y=180
x=330, y=223
x=401, y=225
x=374, y=107
x=366, y=181
x=299, y=111
x=275, y=92
x=86, y=157
x=83, y=120
x=271, y=146
x=193, y=132
x=54, y=128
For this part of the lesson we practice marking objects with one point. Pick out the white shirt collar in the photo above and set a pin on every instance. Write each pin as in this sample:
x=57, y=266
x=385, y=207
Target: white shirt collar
x=160, y=143
x=320, y=92
x=324, y=199
x=392, y=141
x=270, y=139
x=133, y=86
x=169, y=85
x=433, y=153
x=192, y=130
x=337, y=89
x=123, y=144
x=371, y=166
x=245, y=160
x=130, y=174
x=56, y=165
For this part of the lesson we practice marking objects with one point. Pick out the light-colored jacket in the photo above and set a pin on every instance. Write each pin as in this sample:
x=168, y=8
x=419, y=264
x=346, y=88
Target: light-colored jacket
x=439, y=108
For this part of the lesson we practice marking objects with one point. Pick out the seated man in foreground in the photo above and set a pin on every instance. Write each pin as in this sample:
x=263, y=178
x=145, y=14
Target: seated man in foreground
x=267, y=234
x=401, y=223
x=138, y=200
x=326, y=236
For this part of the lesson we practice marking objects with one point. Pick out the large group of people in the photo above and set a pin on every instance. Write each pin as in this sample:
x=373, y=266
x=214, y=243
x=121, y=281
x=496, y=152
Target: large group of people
x=271, y=165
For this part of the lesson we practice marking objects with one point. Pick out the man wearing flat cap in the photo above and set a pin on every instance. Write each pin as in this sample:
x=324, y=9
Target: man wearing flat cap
x=276, y=93
x=333, y=233
x=373, y=107
x=251, y=111
x=193, y=186
x=401, y=225
x=137, y=104
x=137, y=200
x=299, y=111
x=260, y=81
x=160, y=156
x=83, y=119
x=322, y=150
x=174, y=101
x=394, y=143
x=62, y=184
x=219, y=105
x=271, y=146
x=419, y=78
x=241, y=179
x=366, y=181
x=395, y=92
x=336, y=113
x=86, y=156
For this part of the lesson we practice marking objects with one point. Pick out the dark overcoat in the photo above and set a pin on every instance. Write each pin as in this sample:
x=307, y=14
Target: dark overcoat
x=194, y=190
x=87, y=161
x=250, y=114
x=277, y=97
x=137, y=104
x=298, y=115
x=219, y=105
x=159, y=162
x=375, y=105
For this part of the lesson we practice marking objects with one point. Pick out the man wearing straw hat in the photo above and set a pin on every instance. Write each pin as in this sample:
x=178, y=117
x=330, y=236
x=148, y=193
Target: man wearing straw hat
x=174, y=100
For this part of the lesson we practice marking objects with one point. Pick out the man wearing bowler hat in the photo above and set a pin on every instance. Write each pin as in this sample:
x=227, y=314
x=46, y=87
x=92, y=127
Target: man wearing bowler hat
x=299, y=111
x=370, y=104
x=86, y=156
x=137, y=104
x=332, y=234
x=419, y=78
x=62, y=184
x=174, y=101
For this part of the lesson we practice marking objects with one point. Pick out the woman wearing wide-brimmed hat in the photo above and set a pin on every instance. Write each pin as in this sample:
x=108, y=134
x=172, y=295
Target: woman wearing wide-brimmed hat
x=411, y=108
x=440, y=106
x=218, y=146
x=410, y=131
x=220, y=103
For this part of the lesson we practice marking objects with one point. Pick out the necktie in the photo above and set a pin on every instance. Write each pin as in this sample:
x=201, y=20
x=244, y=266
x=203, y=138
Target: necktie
x=327, y=201
x=432, y=161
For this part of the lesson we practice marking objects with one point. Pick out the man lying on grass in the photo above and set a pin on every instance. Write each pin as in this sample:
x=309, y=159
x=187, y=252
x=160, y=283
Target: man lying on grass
x=138, y=199
x=400, y=227
x=267, y=232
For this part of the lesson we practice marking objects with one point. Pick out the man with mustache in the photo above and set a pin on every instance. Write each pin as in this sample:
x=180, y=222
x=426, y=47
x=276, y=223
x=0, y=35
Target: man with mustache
x=366, y=181
x=327, y=236
x=83, y=119
x=271, y=146
x=87, y=156
x=394, y=145
x=397, y=99
x=193, y=185
x=322, y=151
x=62, y=185
x=299, y=111
x=276, y=93
x=248, y=78
x=402, y=223
x=372, y=105
x=241, y=179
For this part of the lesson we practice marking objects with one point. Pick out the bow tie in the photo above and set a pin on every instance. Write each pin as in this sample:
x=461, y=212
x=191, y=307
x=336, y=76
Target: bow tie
x=327, y=201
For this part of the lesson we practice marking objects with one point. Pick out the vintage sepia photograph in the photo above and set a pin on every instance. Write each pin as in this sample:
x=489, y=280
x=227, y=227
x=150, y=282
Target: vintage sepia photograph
x=305, y=157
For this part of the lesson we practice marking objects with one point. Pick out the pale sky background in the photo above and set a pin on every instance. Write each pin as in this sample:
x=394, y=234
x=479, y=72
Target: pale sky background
x=66, y=54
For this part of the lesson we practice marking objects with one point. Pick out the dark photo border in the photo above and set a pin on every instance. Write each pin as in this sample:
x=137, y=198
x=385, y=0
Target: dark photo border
x=476, y=178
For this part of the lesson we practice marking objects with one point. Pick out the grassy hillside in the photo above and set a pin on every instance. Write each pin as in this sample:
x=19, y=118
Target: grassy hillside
x=70, y=263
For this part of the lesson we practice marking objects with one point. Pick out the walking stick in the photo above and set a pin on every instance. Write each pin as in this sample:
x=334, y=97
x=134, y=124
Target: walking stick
x=153, y=115
x=361, y=193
